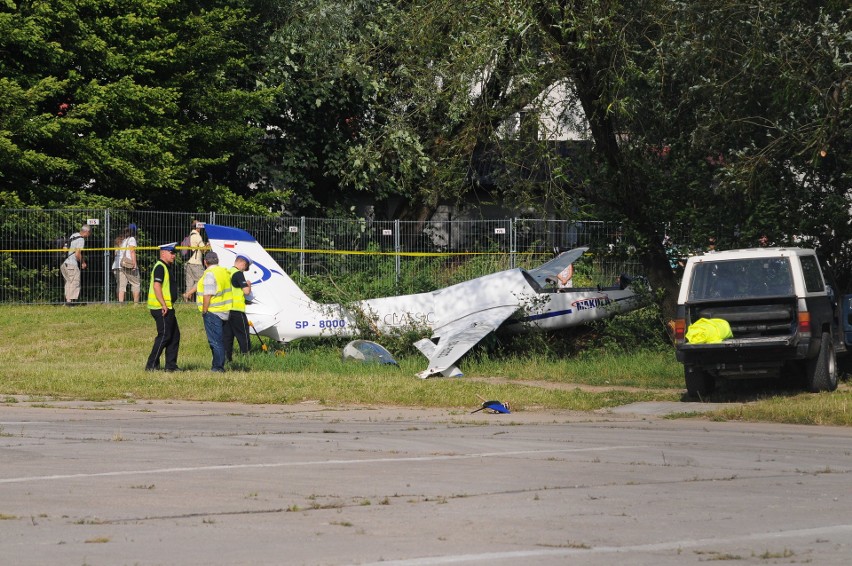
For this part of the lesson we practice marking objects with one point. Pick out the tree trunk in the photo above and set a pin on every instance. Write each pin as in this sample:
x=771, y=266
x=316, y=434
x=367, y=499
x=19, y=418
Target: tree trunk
x=661, y=277
x=625, y=194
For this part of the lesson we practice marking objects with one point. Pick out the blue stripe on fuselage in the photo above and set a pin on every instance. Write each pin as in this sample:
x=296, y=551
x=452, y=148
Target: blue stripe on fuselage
x=543, y=316
x=546, y=315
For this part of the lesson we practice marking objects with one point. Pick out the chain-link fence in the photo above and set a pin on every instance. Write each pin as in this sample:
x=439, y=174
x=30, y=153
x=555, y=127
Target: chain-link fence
x=396, y=256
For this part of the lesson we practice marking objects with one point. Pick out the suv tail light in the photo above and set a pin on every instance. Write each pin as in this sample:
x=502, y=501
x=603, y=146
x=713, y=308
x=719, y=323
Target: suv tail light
x=804, y=322
x=678, y=330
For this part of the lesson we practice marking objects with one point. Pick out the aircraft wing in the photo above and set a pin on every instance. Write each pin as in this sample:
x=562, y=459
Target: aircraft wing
x=459, y=336
x=555, y=266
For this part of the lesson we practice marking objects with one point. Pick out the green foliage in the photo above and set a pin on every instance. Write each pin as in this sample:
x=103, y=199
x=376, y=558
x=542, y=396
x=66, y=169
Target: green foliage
x=730, y=119
x=642, y=329
x=354, y=286
x=135, y=102
x=724, y=113
x=322, y=100
x=10, y=200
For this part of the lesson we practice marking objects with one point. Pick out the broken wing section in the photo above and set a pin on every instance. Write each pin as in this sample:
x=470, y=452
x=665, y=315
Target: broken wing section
x=427, y=348
x=463, y=334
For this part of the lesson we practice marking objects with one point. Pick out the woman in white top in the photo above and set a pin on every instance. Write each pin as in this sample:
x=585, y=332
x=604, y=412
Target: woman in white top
x=125, y=267
x=565, y=279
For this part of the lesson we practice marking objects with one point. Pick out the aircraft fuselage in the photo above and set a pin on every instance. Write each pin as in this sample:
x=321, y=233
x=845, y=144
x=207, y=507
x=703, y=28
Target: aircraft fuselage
x=537, y=309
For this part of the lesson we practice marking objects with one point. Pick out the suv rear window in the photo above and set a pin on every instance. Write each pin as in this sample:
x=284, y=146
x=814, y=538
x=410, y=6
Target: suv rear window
x=811, y=272
x=741, y=278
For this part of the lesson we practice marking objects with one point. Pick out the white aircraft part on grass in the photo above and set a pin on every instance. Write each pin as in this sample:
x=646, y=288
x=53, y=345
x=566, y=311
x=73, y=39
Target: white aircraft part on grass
x=459, y=315
x=459, y=336
x=427, y=348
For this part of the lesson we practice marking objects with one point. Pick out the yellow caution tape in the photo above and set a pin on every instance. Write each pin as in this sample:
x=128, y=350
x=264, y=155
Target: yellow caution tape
x=295, y=250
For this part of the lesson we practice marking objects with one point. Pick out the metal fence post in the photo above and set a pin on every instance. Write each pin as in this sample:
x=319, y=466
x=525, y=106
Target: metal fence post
x=396, y=249
x=513, y=241
x=302, y=247
x=107, y=265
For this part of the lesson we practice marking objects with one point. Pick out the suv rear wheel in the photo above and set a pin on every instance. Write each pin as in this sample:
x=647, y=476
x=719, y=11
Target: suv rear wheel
x=821, y=372
x=698, y=382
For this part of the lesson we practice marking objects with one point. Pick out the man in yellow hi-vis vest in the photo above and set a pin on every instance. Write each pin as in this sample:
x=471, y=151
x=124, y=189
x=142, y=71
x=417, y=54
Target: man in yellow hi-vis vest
x=214, y=300
x=237, y=325
x=161, y=298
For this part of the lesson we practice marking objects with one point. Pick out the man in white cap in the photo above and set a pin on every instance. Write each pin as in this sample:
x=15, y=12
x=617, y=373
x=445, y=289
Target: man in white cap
x=162, y=294
x=237, y=326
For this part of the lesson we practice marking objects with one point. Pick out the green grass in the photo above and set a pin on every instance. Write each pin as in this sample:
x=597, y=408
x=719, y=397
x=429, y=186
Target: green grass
x=802, y=408
x=98, y=352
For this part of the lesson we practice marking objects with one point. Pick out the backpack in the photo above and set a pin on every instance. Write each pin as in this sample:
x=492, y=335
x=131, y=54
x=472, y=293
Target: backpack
x=63, y=243
x=185, y=251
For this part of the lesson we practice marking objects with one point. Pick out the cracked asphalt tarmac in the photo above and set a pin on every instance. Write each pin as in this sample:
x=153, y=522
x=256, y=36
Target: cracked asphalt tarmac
x=214, y=483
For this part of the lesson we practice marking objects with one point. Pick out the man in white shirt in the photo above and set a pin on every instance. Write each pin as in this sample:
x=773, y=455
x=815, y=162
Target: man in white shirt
x=73, y=264
x=193, y=268
x=214, y=299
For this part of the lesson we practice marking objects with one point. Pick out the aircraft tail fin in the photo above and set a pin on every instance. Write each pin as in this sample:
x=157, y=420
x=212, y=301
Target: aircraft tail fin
x=553, y=267
x=272, y=288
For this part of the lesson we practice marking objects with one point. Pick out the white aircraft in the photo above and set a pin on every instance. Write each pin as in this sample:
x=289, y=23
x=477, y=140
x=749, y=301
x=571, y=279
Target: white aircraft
x=459, y=316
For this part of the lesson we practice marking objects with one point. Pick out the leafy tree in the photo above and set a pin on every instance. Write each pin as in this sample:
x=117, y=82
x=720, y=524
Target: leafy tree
x=731, y=119
x=707, y=115
x=153, y=101
x=324, y=98
x=758, y=97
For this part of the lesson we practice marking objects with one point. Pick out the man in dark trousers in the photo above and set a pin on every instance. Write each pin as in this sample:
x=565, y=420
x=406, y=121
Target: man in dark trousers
x=237, y=325
x=162, y=294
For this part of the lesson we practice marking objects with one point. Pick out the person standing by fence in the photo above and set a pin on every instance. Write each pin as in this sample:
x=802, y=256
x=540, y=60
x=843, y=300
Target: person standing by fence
x=162, y=294
x=193, y=269
x=565, y=279
x=125, y=266
x=73, y=264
